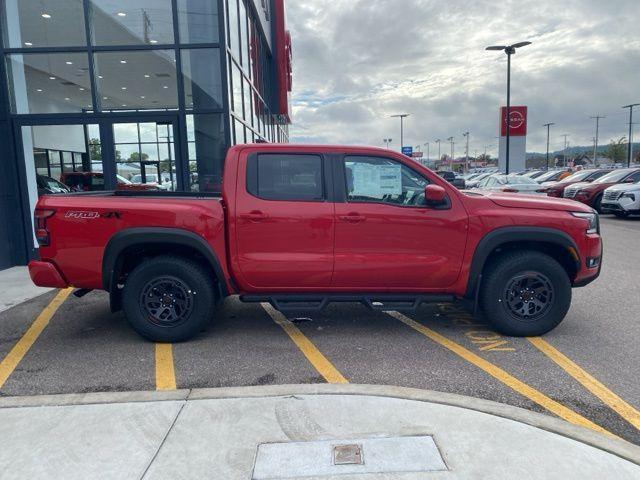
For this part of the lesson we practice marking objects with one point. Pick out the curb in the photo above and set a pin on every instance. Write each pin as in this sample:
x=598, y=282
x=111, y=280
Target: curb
x=617, y=447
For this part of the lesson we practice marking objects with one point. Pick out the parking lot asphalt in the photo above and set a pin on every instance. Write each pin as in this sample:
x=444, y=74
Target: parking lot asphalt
x=585, y=371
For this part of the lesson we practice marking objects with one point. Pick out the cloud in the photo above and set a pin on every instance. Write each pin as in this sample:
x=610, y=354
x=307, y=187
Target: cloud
x=356, y=62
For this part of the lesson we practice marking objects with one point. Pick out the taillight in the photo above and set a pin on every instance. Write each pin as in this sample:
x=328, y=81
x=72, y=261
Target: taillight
x=510, y=190
x=40, y=224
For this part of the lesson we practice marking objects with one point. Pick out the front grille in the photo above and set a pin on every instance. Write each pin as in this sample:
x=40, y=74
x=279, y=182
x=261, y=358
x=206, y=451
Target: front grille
x=612, y=195
x=570, y=192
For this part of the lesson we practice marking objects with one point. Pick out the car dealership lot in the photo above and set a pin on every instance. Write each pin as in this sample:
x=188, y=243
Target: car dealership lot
x=85, y=348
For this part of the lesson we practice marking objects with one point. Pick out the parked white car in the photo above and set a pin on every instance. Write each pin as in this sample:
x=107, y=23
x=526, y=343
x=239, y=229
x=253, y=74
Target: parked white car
x=622, y=200
x=510, y=184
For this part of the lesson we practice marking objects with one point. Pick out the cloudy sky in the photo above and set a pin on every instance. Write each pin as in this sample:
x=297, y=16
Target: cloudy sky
x=356, y=62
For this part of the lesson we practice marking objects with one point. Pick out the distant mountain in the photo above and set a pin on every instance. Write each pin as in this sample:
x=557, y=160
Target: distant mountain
x=572, y=151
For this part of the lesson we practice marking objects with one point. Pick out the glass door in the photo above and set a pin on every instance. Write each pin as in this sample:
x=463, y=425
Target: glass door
x=144, y=155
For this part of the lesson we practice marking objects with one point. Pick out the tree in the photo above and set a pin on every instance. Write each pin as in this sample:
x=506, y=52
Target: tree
x=95, y=152
x=617, y=150
x=136, y=157
x=537, y=162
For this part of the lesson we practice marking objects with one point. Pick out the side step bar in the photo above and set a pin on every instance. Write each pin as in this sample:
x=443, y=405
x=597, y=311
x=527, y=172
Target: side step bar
x=377, y=302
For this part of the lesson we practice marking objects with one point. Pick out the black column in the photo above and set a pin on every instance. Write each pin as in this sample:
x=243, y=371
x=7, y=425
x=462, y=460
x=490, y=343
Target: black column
x=14, y=249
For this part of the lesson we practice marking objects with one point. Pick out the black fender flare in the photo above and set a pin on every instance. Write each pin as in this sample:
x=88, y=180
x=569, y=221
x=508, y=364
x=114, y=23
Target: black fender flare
x=130, y=237
x=504, y=235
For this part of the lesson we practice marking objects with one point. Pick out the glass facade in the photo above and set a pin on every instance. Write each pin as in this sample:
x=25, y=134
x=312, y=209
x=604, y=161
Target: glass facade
x=250, y=80
x=159, y=89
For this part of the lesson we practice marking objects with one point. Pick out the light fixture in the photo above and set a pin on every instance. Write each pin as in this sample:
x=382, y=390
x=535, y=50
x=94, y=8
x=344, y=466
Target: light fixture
x=105, y=98
x=81, y=89
x=164, y=86
x=124, y=105
x=123, y=88
x=45, y=15
x=153, y=41
x=67, y=99
x=123, y=61
x=38, y=90
x=52, y=78
x=147, y=76
x=142, y=96
x=69, y=63
x=100, y=76
x=28, y=44
x=122, y=14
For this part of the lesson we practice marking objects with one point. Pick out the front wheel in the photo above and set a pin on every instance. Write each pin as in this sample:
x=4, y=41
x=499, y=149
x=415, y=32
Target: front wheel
x=525, y=294
x=621, y=214
x=597, y=205
x=169, y=299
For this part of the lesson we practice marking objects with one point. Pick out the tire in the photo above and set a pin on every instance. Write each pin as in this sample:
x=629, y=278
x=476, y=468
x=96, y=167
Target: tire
x=597, y=205
x=621, y=214
x=541, y=312
x=169, y=299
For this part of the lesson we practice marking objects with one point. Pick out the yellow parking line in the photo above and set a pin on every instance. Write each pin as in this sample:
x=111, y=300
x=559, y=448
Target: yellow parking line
x=165, y=372
x=502, y=376
x=621, y=407
x=315, y=357
x=20, y=349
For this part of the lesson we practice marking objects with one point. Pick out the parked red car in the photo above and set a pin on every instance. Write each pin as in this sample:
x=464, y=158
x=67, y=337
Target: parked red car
x=591, y=193
x=94, y=181
x=304, y=226
x=586, y=176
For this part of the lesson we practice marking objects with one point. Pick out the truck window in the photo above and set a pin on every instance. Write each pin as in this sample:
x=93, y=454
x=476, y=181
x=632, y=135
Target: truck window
x=286, y=177
x=377, y=179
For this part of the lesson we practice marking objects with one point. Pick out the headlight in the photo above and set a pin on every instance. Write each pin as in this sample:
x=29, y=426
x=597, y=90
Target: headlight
x=629, y=195
x=592, y=218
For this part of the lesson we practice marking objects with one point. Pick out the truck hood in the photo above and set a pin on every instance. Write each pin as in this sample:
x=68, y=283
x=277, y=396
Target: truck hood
x=518, y=200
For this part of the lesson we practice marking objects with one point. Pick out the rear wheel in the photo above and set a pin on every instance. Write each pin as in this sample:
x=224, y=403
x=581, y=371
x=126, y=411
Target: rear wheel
x=169, y=299
x=525, y=293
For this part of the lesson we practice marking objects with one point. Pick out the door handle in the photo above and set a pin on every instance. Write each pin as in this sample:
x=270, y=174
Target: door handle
x=352, y=217
x=255, y=216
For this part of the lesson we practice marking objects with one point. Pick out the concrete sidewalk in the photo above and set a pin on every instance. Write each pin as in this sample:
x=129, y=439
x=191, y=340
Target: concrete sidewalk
x=344, y=432
x=16, y=287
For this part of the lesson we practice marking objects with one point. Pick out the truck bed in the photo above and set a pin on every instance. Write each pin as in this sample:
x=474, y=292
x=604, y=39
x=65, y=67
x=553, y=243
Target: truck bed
x=86, y=221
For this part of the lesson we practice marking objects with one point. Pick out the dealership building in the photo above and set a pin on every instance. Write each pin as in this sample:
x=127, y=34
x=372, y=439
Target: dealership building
x=132, y=95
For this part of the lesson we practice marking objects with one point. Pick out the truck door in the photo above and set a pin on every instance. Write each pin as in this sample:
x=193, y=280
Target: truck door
x=284, y=222
x=387, y=239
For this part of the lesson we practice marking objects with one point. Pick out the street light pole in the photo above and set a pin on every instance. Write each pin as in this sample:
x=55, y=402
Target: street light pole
x=428, y=151
x=401, y=116
x=466, y=165
x=450, y=139
x=566, y=145
x=548, y=125
x=509, y=50
x=595, y=145
x=630, y=151
x=439, y=156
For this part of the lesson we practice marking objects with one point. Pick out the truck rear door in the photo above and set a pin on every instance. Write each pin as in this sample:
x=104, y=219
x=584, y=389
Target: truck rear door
x=284, y=221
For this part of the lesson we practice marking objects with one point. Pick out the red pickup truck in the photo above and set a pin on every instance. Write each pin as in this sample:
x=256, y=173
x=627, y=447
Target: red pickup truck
x=304, y=226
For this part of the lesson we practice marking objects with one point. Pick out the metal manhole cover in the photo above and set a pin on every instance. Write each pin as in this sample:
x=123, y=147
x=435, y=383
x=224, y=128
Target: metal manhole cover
x=347, y=455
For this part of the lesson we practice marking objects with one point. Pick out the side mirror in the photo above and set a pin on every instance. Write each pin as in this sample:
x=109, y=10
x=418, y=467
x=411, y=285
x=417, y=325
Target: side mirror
x=434, y=194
